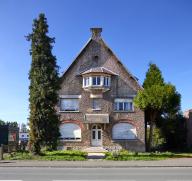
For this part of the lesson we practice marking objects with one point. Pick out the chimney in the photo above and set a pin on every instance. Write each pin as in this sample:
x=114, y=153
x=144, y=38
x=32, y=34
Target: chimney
x=96, y=32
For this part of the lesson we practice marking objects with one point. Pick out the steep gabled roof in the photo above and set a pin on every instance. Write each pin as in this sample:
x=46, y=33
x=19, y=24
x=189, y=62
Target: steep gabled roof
x=98, y=70
x=120, y=62
x=94, y=34
x=80, y=52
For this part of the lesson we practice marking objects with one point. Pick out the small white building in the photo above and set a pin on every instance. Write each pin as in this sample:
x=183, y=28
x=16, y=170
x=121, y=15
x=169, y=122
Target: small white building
x=23, y=136
x=23, y=133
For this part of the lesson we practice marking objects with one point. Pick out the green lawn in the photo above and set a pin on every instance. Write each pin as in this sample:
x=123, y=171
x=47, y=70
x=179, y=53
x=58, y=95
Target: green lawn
x=72, y=155
x=48, y=155
x=126, y=155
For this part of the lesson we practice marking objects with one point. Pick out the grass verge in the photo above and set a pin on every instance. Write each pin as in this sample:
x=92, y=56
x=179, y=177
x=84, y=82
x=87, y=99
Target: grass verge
x=125, y=155
x=48, y=155
x=74, y=155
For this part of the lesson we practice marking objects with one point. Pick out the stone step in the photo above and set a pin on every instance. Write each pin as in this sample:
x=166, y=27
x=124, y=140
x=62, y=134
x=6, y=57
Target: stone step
x=96, y=155
x=95, y=150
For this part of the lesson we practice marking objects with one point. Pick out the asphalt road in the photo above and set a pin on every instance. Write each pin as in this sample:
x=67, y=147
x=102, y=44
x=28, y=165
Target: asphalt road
x=96, y=174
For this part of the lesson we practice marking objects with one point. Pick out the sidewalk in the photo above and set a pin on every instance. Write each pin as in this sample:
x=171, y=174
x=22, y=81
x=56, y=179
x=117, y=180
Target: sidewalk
x=180, y=162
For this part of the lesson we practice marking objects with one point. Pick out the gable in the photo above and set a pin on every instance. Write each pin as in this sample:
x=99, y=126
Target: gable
x=95, y=54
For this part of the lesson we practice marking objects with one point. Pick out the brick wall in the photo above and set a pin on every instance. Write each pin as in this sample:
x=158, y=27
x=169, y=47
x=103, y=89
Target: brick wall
x=122, y=86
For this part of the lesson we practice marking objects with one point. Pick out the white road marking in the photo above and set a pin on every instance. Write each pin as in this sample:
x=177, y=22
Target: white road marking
x=94, y=180
x=179, y=180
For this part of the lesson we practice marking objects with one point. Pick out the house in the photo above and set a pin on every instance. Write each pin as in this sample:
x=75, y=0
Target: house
x=23, y=133
x=96, y=101
x=9, y=137
x=188, y=116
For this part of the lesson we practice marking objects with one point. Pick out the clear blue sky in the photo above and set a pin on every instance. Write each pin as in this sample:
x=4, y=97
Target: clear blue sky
x=138, y=31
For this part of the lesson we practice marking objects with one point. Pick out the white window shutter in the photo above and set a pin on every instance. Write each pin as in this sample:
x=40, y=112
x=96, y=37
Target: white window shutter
x=124, y=131
x=70, y=131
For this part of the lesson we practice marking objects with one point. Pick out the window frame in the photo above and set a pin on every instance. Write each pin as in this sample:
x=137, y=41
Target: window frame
x=123, y=101
x=132, y=129
x=106, y=81
x=71, y=139
x=96, y=80
x=86, y=81
x=68, y=110
x=98, y=101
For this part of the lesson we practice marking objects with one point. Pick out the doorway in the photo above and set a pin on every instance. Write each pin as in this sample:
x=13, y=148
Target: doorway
x=96, y=135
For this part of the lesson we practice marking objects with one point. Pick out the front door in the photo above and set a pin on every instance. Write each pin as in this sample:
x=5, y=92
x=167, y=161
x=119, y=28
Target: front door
x=96, y=136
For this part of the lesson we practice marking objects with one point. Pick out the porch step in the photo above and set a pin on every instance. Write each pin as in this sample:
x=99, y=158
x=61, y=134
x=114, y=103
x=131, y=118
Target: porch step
x=96, y=155
x=95, y=150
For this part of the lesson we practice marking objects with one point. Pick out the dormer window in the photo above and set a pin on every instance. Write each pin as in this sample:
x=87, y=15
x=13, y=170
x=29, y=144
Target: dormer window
x=96, y=80
x=106, y=81
x=86, y=82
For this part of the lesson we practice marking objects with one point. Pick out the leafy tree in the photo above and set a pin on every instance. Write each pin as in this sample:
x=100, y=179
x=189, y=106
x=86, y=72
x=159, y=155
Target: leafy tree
x=156, y=97
x=153, y=77
x=174, y=131
x=2, y=122
x=172, y=123
x=173, y=103
x=44, y=84
x=12, y=124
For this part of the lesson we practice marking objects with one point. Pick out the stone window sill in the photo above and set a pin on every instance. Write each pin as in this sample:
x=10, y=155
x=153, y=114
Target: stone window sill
x=63, y=140
x=114, y=140
x=124, y=111
x=69, y=111
x=96, y=109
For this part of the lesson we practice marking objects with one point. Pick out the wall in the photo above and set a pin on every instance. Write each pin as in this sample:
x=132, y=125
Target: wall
x=123, y=85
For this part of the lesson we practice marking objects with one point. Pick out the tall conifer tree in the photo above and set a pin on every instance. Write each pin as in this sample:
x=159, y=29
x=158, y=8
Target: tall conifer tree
x=44, y=85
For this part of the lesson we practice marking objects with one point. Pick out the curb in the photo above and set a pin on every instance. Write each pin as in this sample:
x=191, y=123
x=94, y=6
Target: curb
x=12, y=166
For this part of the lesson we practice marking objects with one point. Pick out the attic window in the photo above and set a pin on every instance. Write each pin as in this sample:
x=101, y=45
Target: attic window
x=109, y=50
x=95, y=59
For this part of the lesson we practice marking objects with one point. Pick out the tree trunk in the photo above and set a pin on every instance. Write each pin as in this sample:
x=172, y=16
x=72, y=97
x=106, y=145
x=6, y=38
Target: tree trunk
x=150, y=136
x=147, y=119
x=152, y=122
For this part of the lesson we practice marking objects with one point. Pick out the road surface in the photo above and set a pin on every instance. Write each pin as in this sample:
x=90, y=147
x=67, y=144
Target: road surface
x=96, y=174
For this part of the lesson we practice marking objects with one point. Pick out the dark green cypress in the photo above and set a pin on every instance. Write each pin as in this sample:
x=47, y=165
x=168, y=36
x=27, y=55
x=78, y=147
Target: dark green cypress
x=44, y=85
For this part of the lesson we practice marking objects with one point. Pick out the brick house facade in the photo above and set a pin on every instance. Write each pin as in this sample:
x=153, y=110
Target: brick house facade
x=188, y=116
x=95, y=106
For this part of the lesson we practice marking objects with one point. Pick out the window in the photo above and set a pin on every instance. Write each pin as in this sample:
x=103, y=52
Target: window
x=70, y=131
x=106, y=81
x=96, y=80
x=86, y=81
x=123, y=105
x=69, y=104
x=96, y=104
x=124, y=131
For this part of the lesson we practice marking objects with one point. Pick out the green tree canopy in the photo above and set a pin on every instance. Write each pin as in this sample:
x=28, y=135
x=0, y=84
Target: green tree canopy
x=2, y=122
x=13, y=124
x=153, y=77
x=156, y=98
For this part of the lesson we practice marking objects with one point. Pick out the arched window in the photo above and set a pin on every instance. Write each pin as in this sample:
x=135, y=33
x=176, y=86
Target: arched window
x=124, y=131
x=70, y=131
